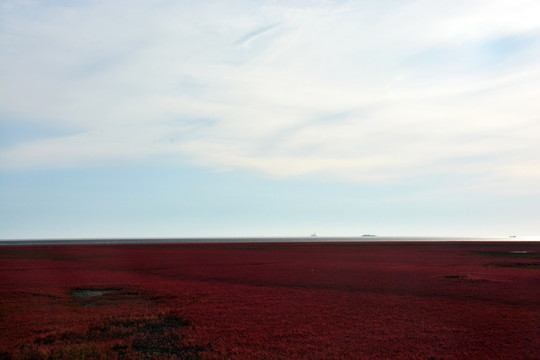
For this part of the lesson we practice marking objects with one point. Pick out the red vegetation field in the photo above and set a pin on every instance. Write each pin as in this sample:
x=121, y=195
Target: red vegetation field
x=271, y=301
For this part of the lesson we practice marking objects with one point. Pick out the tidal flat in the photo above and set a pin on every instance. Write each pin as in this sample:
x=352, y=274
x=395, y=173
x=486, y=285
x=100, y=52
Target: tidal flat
x=271, y=300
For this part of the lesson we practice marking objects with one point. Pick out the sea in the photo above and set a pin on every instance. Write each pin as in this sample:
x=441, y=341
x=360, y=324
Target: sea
x=292, y=239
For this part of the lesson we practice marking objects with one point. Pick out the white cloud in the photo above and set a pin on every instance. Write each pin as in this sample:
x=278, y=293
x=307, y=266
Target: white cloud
x=361, y=91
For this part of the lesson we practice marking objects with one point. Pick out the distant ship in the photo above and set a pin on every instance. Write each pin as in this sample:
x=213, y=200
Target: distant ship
x=368, y=235
x=512, y=236
x=313, y=235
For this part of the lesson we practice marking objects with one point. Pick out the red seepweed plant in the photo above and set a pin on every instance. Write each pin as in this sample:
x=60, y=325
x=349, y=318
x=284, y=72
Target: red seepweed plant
x=363, y=300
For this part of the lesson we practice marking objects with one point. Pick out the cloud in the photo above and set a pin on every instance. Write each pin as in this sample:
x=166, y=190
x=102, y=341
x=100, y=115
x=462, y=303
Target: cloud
x=360, y=91
x=254, y=35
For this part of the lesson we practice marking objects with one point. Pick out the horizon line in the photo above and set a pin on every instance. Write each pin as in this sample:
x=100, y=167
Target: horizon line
x=258, y=239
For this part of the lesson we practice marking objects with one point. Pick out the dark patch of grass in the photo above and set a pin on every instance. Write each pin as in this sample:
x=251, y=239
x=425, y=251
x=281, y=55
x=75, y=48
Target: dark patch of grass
x=465, y=278
x=456, y=277
x=516, y=264
x=48, y=296
x=163, y=325
x=135, y=338
x=165, y=346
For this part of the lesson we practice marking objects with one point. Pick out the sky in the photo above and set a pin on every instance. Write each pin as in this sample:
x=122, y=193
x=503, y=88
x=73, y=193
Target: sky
x=269, y=118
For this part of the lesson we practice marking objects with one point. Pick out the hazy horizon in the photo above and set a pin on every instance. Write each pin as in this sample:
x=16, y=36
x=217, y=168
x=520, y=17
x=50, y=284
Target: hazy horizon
x=267, y=239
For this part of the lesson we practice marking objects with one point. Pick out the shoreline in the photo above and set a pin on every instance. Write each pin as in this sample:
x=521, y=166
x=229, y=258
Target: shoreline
x=256, y=240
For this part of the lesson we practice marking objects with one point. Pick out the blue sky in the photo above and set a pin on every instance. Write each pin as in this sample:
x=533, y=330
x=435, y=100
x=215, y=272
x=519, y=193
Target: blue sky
x=269, y=118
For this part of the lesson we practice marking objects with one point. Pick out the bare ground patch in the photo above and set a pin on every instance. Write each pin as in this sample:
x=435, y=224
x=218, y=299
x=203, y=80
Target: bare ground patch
x=95, y=296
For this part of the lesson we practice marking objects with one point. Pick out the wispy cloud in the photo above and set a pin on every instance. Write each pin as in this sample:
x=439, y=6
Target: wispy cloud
x=254, y=35
x=364, y=91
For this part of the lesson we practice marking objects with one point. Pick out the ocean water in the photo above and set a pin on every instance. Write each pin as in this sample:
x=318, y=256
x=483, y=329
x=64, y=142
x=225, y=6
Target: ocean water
x=203, y=240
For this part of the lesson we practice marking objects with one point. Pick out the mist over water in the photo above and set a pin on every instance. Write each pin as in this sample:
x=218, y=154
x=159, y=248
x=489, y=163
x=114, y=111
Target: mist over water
x=292, y=239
